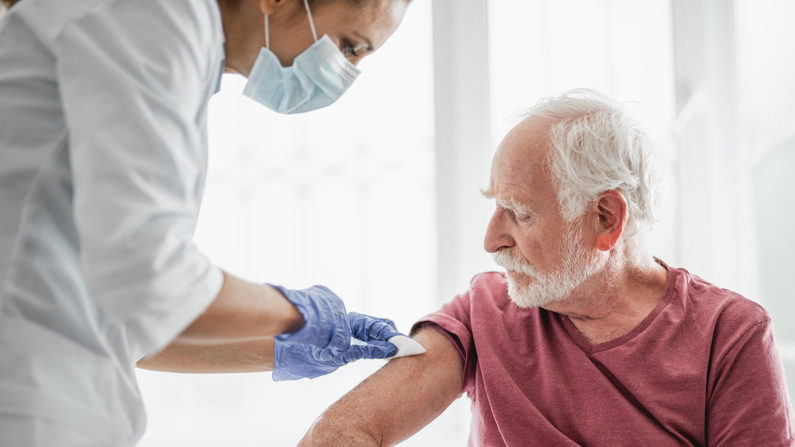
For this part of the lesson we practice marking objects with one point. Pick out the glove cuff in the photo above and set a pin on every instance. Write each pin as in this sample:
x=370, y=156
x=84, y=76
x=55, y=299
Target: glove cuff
x=279, y=372
x=292, y=364
x=298, y=336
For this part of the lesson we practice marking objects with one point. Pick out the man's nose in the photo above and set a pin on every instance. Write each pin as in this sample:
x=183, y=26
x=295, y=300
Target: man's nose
x=497, y=235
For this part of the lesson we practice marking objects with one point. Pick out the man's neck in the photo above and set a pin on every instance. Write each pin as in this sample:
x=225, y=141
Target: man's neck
x=613, y=302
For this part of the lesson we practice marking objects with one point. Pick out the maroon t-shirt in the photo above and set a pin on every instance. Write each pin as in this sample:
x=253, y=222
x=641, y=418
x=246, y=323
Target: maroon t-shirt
x=701, y=369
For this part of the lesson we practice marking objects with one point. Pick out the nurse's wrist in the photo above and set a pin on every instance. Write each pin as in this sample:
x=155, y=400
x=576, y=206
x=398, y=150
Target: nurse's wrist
x=290, y=316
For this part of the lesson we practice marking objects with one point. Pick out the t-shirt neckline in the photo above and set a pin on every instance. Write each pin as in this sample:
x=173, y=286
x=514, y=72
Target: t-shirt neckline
x=590, y=349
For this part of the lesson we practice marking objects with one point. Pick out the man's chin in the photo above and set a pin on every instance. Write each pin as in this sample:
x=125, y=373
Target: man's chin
x=529, y=296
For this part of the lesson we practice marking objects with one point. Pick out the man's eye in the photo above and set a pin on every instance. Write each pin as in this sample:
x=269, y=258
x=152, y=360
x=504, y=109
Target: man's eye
x=522, y=217
x=518, y=216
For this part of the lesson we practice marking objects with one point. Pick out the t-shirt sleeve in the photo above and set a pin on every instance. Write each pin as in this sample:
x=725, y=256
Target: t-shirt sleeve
x=134, y=78
x=453, y=320
x=749, y=404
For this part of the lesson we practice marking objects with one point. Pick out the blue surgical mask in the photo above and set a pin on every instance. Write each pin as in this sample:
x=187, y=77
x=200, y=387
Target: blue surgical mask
x=317, y=78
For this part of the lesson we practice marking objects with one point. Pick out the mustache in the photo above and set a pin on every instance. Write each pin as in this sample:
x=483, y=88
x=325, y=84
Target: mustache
x=509, y=261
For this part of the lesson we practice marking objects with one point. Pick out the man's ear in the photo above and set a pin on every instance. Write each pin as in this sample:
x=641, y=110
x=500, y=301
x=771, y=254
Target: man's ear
x=268, y=7
x=612, y=219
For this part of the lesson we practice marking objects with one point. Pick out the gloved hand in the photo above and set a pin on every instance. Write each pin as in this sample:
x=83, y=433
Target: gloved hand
x=367, y=328
x=295, y=362
x=326, y=324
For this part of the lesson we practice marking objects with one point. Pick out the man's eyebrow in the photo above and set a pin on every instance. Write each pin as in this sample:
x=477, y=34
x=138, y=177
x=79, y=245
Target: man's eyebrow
x=510, y=203
x=366, y=40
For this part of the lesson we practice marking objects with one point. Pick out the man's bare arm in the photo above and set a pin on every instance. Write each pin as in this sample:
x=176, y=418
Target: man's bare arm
x=235, y=357
x=395, y=402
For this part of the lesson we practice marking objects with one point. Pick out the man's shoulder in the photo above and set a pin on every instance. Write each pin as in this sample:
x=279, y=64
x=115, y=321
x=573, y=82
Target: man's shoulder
x=724, y=305
x=489, y=280
x=486, y=301
x=489, y=287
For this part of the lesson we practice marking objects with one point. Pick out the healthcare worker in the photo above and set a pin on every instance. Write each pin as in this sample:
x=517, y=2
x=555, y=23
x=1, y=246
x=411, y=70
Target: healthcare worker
x=103, y=159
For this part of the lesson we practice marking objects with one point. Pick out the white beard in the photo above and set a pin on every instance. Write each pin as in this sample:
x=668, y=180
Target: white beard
x=547, y=288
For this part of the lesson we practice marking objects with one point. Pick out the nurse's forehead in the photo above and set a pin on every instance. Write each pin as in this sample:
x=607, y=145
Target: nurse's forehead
x=375, y=21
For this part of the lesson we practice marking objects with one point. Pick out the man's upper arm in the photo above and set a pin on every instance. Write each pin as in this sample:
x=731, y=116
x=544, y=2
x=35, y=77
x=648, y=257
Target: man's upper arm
x=749, y=404
x=395, y=402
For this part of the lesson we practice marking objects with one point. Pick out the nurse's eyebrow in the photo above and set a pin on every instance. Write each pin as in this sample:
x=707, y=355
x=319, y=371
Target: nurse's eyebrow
x=369, y=43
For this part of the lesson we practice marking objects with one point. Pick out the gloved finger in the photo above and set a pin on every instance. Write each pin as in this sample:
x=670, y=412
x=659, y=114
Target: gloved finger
x=380, y=349
x=372, y=350
x=328, y=355
x=367, y=328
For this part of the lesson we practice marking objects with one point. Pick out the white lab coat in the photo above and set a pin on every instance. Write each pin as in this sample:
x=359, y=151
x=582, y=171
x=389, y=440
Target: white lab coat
x=103, y=153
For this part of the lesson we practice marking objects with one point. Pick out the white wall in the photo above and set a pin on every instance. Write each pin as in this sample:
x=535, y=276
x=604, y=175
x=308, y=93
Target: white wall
x=765, y=117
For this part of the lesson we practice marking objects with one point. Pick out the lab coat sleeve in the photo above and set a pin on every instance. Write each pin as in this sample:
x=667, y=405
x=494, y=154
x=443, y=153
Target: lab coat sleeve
x=134, y=79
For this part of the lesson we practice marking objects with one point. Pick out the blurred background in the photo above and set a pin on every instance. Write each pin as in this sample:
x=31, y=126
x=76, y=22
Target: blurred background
x=377, y=196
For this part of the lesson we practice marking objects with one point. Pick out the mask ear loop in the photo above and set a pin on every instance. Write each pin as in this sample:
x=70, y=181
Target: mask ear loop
x=311, y=23
x=267, y=35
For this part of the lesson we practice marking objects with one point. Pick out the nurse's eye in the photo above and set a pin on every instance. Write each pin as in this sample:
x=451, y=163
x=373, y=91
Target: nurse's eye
x=349, y=49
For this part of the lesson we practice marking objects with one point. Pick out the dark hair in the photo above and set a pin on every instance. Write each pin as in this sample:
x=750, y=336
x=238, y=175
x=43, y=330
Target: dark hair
x=235, y=4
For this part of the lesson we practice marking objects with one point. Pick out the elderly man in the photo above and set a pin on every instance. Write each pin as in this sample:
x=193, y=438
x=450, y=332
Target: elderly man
x=586, y=339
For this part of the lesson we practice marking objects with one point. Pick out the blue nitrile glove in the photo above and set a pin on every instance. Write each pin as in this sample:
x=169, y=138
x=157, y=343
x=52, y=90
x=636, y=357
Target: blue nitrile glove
x=327, y=323
x=295, y=362
x=367, y=328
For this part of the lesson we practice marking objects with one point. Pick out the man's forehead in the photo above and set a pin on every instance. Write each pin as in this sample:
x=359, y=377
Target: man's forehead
x=514, y=185
x=532, y=131
x=519, y=171
x=513, y=194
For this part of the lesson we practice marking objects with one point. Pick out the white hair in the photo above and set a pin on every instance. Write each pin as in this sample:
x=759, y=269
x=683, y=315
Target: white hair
x=596, y=146
x=555, y=286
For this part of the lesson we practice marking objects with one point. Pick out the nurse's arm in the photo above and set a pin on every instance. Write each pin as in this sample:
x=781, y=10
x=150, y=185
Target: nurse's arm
x=397, y=401
x=237, y=357
x=244, y=311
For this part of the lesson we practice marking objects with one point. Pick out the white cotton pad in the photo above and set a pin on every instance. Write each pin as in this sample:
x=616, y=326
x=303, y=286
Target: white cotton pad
x=406, y=346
